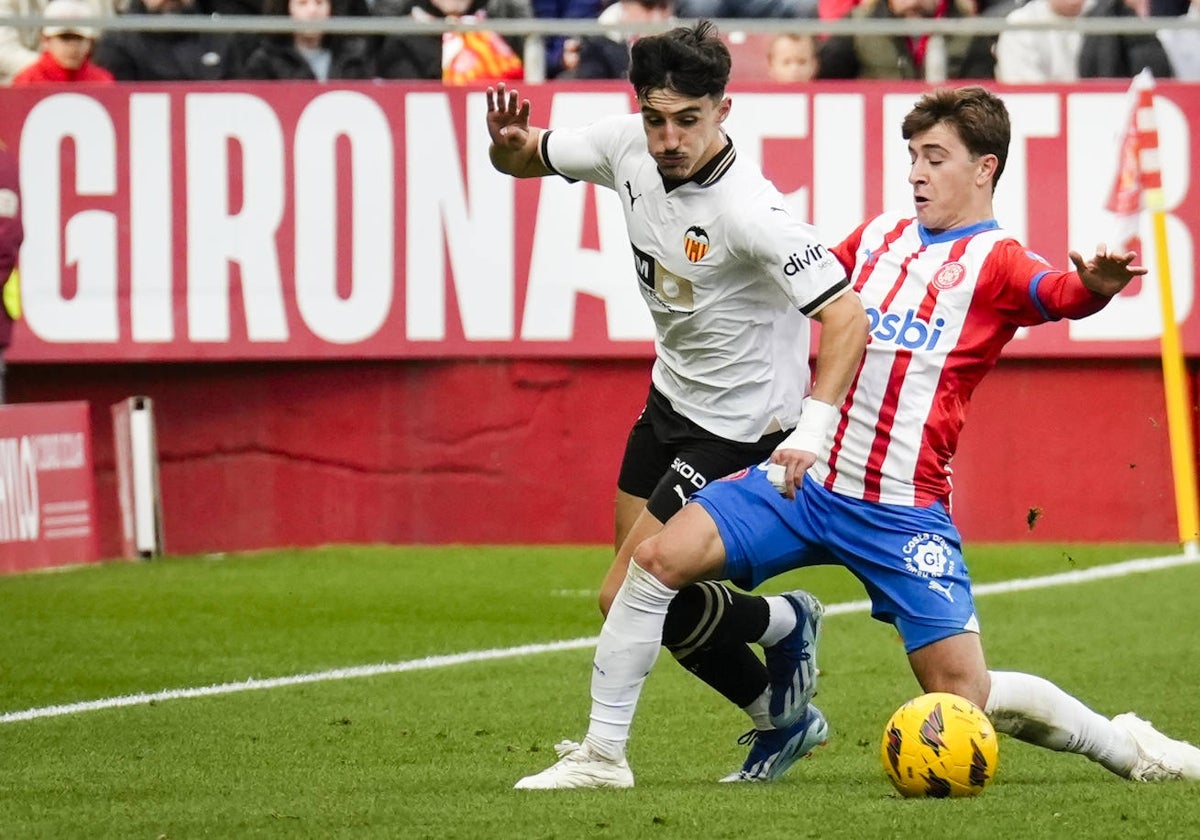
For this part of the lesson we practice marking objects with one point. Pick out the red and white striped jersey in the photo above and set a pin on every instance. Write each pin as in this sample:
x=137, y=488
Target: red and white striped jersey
x=941, y=308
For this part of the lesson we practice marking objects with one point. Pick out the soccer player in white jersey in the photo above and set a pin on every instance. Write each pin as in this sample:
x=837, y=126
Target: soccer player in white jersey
x=731, y=280
x=944, y=290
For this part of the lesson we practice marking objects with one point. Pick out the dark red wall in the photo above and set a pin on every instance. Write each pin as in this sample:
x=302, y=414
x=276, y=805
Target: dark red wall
x=258, y=455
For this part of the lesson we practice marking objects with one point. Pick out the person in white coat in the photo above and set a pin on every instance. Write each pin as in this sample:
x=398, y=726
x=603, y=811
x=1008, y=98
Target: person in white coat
x=1183, y=47
x=1029, y=56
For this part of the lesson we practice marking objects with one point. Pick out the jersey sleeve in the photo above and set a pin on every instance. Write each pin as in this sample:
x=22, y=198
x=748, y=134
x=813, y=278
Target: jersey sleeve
x=1028, y=290
x=845, y=250
x=587, y=153
x=790, y=252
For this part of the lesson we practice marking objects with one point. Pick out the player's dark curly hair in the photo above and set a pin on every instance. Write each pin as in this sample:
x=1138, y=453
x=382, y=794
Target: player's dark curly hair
x=690, y=60
x=976, y=114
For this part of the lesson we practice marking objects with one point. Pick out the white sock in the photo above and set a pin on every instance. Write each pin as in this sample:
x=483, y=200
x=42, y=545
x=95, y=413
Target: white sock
x=760, y=711
x=781, y=622
x=1039, y=712
x=626, y=651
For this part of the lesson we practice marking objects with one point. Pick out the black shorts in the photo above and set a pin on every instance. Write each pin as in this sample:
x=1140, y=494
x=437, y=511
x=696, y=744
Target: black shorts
x=668, y=457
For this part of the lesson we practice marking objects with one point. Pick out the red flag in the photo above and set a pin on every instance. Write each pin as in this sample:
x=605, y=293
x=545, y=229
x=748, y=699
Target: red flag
x=1138, y=168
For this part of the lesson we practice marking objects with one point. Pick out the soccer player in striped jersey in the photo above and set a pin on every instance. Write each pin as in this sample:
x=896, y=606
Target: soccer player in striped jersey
x=945, y=289
x=731, y=281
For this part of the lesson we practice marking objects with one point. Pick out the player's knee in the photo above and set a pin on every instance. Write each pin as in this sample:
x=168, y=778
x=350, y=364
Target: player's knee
x=655, y=558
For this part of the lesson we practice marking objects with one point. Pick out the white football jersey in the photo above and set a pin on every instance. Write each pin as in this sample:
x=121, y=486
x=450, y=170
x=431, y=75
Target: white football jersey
x=941, y=308
x=729, y=276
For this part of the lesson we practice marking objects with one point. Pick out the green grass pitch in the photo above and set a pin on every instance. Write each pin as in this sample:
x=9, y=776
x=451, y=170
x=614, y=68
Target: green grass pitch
x=431, y=750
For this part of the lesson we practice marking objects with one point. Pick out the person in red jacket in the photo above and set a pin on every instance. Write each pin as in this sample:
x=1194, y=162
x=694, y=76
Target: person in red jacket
x=11, y=235
x=66, y=48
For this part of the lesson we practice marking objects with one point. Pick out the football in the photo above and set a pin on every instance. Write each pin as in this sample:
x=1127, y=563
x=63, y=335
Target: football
x=939, y=745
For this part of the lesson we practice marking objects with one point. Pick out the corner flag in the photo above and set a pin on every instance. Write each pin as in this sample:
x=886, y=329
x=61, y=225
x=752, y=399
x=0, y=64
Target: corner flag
x=1138, y=186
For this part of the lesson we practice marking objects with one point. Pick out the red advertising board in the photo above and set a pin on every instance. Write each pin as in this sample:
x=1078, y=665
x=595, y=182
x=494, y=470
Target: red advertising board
x=308, y=221
x=47, y=486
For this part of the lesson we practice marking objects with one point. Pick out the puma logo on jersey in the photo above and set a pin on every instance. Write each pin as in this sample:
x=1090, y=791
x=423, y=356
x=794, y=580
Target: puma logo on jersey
x=905, y=329
x=632, y=197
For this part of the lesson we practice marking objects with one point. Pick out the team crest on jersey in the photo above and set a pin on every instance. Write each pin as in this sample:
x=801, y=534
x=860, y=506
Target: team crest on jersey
x=695, y=243
x=948, y=276
x=929, y=556
x=742, y=473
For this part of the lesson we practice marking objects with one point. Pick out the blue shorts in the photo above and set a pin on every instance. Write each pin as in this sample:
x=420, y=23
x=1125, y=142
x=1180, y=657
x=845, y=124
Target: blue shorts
x=908, y=558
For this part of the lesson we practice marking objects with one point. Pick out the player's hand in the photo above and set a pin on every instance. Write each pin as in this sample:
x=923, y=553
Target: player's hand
x=1107, y=273
x=507, y=118
x=787, y=468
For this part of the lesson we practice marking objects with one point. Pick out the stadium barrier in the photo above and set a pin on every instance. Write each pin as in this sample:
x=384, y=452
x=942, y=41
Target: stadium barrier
x=441, y=354
x=47, y=486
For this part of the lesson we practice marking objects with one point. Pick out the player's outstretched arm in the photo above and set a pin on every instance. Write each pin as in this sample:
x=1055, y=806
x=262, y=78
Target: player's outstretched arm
x=514, y=149
x=844, y=330
x=1107, y=273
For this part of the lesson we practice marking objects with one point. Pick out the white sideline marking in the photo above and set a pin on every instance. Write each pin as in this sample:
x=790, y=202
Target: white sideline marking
x=1111, y=570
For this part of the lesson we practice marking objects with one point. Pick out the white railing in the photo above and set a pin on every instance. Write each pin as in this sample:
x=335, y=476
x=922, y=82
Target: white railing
x=535, y=29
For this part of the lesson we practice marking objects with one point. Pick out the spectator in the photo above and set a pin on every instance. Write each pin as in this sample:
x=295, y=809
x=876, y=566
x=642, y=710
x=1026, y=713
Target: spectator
x=607, y=57
x=560, y=9
x=1121, y=56
x=66, y=48
x=11, y=234
x=455, y=58
x=889, y=57
x=19, y=47
x=135, y=56
x=313, y=56
x=1183, y=45
x=792, y=58
x=1028, y=56
x=835, y=9
x=746, y=8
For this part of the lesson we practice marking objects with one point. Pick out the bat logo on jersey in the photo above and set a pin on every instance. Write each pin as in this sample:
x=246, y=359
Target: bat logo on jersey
x=814, y=254
x=929, y=556
x=948, y=276
x=906, y=330
x=695, y=243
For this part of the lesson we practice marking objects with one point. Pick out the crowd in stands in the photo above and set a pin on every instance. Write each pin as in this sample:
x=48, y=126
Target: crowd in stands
x=65, y=50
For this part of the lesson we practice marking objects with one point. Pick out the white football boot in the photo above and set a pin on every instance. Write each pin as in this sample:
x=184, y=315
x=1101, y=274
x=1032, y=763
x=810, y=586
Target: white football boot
x=579, y=767
x=1159, y=757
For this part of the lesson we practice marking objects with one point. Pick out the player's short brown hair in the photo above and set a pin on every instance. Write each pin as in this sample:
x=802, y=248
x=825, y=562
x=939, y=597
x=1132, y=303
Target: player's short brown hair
x=977, y=115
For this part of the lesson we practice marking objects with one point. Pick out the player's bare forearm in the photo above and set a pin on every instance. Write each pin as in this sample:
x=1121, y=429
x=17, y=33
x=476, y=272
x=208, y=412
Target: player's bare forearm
x=844, y=330
x=514, y=149
x=523, y=162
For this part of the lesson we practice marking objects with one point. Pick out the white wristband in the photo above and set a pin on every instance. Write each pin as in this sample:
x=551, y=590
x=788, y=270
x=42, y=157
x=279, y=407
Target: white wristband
x=814, y=432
